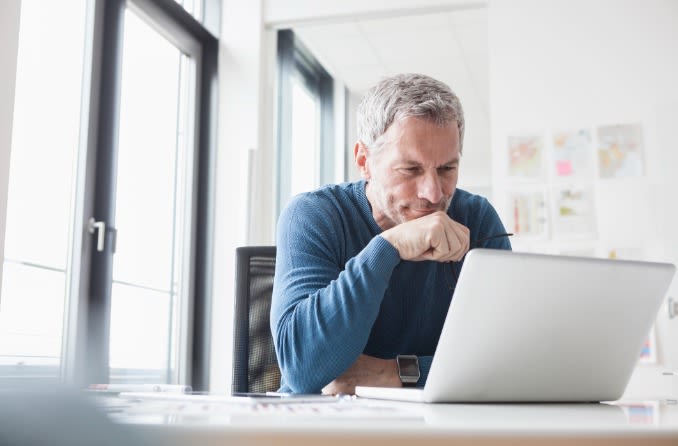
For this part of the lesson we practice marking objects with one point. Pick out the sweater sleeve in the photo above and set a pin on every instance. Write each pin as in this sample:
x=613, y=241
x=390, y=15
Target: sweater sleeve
x=322, y=311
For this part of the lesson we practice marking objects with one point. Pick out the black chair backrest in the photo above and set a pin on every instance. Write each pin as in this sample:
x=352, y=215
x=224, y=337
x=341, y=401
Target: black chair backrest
x=255, y=366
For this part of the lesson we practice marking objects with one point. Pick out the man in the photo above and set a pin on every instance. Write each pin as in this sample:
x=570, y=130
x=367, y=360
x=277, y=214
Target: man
x=365, y=271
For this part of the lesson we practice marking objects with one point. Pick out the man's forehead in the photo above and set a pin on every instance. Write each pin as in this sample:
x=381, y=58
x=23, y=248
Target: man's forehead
x=414, y=129
x=415, y=160
x=409, y=123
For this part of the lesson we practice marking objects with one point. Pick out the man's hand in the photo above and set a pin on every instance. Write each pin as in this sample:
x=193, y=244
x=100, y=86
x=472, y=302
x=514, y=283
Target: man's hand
x=366, y=371
x=432, y=237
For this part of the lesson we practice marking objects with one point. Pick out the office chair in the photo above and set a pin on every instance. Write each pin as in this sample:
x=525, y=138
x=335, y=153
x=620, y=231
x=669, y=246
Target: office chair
x=255, y=366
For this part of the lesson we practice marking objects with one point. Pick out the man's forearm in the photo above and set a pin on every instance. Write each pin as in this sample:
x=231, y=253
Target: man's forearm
x=366, y=371
x=319, y=333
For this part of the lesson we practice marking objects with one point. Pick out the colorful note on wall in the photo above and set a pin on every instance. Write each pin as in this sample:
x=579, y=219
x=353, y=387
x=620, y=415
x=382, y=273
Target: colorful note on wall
x=574, y=211
x=529, y=212
x=620, y=151
x=572, y=154
x=525, y=154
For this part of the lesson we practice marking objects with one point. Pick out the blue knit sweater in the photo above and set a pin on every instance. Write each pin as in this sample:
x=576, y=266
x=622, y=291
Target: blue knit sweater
x=341, y=289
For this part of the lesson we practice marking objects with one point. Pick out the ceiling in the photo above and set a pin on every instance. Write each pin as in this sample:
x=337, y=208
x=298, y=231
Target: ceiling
x=451, y=46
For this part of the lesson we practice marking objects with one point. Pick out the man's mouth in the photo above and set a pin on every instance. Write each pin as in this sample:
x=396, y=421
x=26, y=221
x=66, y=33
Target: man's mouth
x=424, y=211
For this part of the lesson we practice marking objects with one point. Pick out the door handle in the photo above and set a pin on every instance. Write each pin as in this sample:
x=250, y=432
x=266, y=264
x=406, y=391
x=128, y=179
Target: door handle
x=100, y=227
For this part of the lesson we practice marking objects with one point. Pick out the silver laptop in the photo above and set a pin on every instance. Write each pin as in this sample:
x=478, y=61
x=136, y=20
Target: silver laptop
x=541, y=328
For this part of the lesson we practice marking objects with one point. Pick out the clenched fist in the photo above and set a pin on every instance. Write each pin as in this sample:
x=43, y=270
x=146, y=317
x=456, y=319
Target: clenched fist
x=432, y=237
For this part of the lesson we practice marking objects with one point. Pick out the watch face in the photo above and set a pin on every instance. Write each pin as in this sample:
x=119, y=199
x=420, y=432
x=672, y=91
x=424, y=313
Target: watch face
x=408, y=369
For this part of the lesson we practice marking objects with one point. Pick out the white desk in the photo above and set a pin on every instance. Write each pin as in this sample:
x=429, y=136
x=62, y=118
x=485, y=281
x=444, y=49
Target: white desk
x=353, y=422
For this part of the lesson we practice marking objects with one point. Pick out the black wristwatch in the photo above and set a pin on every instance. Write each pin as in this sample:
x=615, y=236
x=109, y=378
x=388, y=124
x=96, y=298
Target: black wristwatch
x=408, y=370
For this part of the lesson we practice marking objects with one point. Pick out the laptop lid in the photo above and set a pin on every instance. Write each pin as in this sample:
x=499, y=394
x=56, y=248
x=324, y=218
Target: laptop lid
x=526, y=327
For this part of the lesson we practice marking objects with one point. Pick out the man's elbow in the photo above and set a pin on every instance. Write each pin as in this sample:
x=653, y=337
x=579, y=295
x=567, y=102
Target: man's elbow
x=299, y=378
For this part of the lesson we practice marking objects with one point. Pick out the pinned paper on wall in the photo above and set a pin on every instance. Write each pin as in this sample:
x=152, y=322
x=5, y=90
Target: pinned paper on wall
x=620, y=151
x=572, y=154
x=529, y=212
x=525, y=154
x=574, y=211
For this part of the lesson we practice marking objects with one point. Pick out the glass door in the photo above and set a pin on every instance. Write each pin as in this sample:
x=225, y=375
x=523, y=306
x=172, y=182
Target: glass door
x=152, y=204
x=144, y=208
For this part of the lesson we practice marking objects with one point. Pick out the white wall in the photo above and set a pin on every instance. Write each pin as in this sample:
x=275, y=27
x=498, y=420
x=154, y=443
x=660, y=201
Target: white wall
x=352, y=135
x=242, y=169
x=568, y=64
x=9, y=45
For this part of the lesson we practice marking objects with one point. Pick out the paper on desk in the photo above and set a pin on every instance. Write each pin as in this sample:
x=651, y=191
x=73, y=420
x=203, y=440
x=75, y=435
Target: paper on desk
x=220, y=406
x=156, y=388
x=229, y=399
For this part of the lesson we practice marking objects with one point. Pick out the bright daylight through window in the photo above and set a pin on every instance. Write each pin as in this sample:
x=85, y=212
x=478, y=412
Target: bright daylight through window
x=151, y=204
x=153, y=165
x=45, y=139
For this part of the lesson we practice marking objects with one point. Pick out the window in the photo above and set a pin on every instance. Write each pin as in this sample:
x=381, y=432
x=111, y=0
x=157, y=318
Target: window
x=305, y=120
x=45, y=141
x=305, y=174
x=152, y=204
x=105, y=273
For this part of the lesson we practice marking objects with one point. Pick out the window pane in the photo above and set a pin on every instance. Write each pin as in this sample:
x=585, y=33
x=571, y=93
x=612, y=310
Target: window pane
x=36, y=296
x=44, y=146
x=305, y=140
x=139, y=334
x=151, y=205
x=45, y=131
x=147, y=157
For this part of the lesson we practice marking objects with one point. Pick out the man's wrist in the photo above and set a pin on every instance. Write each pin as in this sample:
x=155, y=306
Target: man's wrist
x=391, y=239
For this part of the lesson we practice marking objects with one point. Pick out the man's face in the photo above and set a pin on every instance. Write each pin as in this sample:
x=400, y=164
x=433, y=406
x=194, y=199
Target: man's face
x=414, y=173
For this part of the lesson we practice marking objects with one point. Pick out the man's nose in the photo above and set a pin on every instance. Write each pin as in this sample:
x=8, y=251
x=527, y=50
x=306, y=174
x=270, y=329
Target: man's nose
x=430, y=187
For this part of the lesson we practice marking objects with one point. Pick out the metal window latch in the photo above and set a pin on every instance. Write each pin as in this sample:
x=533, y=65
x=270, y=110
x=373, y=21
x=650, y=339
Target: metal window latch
x=100, y=227
x=673, y=308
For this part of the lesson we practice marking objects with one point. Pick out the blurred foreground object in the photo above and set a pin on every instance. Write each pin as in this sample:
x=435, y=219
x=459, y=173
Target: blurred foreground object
x=57, y=417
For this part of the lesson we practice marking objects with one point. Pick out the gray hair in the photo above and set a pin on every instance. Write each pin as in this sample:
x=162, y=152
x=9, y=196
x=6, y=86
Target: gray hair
x=403, y=96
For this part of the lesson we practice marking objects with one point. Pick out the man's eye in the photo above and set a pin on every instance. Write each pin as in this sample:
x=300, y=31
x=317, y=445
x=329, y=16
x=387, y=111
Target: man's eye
x=445, y=169
x=410, y=170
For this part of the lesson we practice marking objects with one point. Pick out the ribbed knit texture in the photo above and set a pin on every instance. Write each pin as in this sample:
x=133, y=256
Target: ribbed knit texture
x=341, y=289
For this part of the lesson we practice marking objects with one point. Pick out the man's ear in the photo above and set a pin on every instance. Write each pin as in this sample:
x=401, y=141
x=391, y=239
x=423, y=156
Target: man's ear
x=360, y=152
